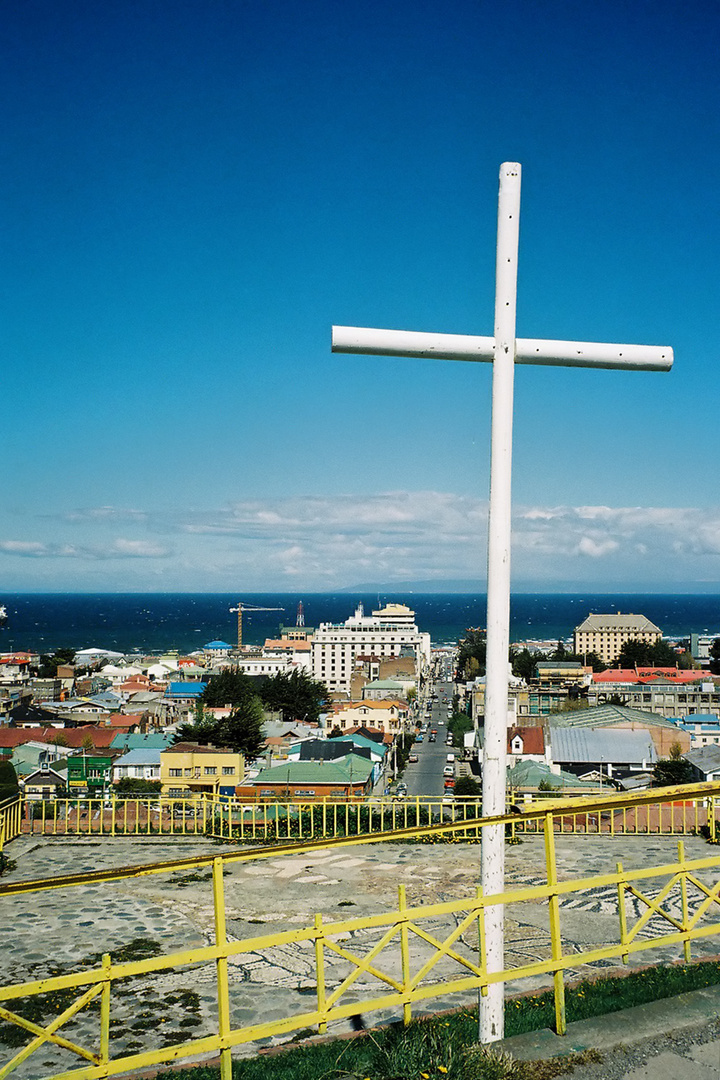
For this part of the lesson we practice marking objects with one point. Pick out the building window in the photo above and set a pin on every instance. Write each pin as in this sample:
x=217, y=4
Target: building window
x=228, y=770
x=210, y=770
x=188, y=772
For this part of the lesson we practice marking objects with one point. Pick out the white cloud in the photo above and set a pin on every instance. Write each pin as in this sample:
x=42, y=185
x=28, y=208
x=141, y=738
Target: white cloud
x=23, y=547
x=105, y=513
x=138, y=549
x=119, y=548
x=596, y=548
x=332, y=541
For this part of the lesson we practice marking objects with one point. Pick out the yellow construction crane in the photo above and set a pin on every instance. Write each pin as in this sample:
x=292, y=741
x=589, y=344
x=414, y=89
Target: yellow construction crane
x=248, y=607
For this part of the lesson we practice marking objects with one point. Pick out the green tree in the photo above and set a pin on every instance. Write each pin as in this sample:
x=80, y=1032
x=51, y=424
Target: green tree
x=9, y=788
x=524, y=663
x=49, y=662
x=471, y=655
x=229, y=687
x=673, y=770
x=458, y=727
x=242, y=729
x=297, y=696
x=715, y=657
x=647, y=654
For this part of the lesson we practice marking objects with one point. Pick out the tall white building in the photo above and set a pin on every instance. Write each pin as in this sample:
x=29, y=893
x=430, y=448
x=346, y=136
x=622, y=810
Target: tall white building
x=390, y=631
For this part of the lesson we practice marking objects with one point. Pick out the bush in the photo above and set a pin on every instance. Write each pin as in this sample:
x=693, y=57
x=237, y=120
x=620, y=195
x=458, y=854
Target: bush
x=131, y=786
x=467, y=786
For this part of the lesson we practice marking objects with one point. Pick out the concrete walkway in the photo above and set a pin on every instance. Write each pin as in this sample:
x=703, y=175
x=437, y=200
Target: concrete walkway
x=52, y=932
x=674, y=1039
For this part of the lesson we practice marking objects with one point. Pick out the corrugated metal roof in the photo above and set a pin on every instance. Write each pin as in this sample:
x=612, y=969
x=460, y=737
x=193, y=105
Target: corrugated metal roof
x=140, y=756
x=614, y=746
x=705, y=758
x=329, y=772
x=604, y=715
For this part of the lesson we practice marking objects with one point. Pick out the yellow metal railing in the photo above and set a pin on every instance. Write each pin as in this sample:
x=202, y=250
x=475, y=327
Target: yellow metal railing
x=10, y=821
x=381, y=969
x=662, y=811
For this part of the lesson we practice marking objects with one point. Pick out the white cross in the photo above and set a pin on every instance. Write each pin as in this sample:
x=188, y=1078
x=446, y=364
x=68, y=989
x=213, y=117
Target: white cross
x=504, y=350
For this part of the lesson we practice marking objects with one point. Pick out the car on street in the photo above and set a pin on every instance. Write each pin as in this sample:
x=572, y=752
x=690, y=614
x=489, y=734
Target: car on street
x=449, y=770
x=413, y=758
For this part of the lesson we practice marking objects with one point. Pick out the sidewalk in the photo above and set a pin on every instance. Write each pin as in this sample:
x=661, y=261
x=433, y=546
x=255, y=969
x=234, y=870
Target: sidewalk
x=674, y=1039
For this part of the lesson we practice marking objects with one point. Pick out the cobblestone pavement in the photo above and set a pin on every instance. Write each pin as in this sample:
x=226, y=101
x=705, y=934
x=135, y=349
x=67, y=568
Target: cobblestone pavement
x=57, y=930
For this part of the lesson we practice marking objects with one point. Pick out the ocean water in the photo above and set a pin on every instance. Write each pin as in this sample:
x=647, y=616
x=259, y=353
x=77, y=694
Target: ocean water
x=153, y=622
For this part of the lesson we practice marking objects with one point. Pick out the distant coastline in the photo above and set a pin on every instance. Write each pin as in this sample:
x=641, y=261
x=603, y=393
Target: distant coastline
x=154, y=622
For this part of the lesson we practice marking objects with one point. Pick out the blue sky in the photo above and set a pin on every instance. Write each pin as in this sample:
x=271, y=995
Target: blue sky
x=193, y=191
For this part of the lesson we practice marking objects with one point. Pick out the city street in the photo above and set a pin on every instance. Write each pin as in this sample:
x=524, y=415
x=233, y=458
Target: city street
x=425, y=777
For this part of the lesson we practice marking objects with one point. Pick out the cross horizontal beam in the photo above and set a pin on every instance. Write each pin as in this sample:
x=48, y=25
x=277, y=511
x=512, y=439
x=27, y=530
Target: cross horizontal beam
x=591, y=354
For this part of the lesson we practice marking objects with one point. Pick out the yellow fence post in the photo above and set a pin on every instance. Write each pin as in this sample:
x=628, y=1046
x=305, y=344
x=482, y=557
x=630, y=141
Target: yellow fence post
x=683, y=894
x=222, y=968
x=555, y=939
x=481, y=939
x=320, y=972
x=404, y=953
x=105, y=1010
x=622, y=912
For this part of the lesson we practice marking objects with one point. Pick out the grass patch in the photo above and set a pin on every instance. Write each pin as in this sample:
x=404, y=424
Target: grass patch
x=445, y=1048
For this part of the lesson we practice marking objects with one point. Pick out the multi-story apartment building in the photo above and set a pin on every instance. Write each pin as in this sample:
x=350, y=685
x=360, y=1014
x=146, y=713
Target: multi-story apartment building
x=605, y=635
x=670, y=699
x=388, y=632
x=189, y=769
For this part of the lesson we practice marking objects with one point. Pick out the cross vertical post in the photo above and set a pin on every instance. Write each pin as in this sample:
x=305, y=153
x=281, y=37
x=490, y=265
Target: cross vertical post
x=503, y=350
x=492, y=858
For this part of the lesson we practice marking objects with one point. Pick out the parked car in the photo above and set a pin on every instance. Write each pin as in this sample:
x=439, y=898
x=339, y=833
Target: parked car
x=413, y=758
x=432, y=737
x=449, y=770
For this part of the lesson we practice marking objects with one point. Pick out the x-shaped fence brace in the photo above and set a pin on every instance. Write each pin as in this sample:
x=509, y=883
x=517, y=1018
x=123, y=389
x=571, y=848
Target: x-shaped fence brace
x=364, y=965
x=654, y=904
x=47, y=1033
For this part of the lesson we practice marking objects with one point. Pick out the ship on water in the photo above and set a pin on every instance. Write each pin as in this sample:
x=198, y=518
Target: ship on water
x=3, y=616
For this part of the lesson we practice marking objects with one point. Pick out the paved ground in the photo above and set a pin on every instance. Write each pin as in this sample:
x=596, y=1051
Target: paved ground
x=677, y=1039
x=55, y=931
